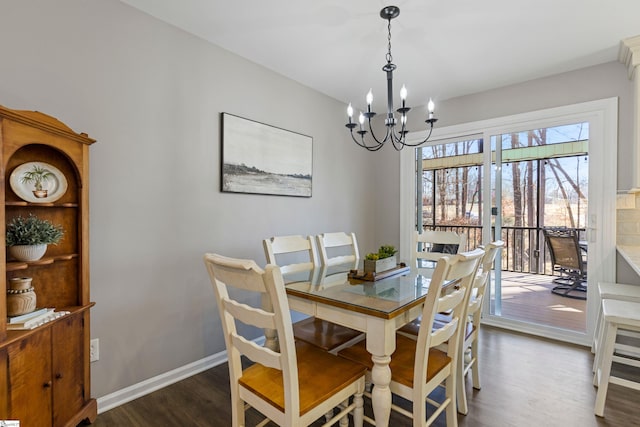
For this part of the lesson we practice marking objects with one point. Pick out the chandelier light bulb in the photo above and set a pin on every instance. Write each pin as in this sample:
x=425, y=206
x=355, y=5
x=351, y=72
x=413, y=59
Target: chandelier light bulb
x=361, y=118
x=369, y=97
x=350, y=111
x=403, y=93
x=431, y=106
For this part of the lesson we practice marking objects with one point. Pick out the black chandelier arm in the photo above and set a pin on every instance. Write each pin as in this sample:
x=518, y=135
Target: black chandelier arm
x=420, y=142
x=399, y=137
x=373, y=134
x=363, y=144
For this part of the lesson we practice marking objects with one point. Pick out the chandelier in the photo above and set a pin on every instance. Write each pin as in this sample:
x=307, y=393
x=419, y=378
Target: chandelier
x=397, y=137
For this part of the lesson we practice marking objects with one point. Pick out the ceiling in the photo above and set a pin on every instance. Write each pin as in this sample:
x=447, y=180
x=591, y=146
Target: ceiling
x=442, y=49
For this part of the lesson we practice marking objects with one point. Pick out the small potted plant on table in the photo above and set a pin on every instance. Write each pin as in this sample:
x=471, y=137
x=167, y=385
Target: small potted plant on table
x=383, y=260
x=27, y=238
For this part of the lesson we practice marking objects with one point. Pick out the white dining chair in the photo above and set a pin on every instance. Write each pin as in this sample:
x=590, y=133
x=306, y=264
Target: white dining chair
x=294, y=385
x=338, y=248
x=468, y=357
x=417, y=366
x=301, y=253
x=430, y=245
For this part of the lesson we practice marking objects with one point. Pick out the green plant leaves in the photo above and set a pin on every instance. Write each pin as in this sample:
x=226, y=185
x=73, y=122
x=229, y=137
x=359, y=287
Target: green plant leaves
x=32, y=231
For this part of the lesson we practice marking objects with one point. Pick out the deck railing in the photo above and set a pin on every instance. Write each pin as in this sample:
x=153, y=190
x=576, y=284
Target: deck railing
x=525, y=249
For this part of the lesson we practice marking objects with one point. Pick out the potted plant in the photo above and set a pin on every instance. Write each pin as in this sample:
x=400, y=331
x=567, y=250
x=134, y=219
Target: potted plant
x=38, y=175
x=27, y=238
x=383, y=260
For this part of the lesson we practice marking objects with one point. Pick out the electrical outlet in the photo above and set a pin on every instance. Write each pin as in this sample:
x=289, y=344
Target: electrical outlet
x=94, y=350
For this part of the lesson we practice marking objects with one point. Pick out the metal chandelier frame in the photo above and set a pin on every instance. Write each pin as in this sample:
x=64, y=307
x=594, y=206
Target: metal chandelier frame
x=398, y=138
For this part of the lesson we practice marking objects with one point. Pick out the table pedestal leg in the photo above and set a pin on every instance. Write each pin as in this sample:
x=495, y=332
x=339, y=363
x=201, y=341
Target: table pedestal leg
x=381, y=393
x=270, y=335
x=270, y=339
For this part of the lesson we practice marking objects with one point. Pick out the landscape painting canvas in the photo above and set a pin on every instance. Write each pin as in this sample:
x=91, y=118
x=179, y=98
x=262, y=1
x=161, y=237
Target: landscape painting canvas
x=262, y=159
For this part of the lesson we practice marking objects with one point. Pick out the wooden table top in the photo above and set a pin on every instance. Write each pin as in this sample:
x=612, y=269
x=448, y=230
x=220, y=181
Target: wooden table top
x=386, y=298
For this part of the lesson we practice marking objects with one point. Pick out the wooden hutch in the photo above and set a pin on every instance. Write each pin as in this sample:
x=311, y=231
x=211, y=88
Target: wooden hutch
x=44, y=372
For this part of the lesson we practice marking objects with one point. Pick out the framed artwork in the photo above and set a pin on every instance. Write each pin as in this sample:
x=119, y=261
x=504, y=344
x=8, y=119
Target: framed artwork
x=262, y=159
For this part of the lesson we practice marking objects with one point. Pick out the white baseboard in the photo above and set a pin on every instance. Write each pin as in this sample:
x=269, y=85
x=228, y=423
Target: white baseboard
x=150, y=385
x=140, y=389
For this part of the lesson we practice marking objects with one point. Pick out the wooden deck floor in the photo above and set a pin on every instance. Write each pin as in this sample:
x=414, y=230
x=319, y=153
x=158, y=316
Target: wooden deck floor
x=528, y=297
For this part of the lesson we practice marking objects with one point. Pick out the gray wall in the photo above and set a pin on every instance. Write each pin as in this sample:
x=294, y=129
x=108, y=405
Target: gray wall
x=151, y=95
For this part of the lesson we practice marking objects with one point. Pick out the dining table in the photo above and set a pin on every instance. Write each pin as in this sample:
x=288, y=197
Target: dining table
x=376, y=307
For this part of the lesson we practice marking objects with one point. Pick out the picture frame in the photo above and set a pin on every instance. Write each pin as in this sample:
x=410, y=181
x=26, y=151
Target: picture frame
x=257, y=158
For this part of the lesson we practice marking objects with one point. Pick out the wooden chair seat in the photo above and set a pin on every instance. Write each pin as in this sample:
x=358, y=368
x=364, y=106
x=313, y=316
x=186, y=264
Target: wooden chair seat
x=325, y=335
x=321, y=375
x=402, y=360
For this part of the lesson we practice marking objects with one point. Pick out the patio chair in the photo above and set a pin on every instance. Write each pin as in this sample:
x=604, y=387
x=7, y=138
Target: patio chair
x=566, y=259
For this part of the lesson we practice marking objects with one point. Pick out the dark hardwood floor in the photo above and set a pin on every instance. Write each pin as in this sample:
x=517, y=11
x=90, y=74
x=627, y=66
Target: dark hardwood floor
x=526, y=381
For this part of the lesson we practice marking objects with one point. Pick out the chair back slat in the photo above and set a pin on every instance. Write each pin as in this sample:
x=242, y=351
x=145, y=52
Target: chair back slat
x=292, y=254
x=330, y=243
x=243, y=276
x=450, y=300
x=256, y=353
x=250, y=315
x=443, y=334
x=431, y=245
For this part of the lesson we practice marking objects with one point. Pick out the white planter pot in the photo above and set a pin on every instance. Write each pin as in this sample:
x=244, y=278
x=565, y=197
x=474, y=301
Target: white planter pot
x=27, y=252
x=380, y=265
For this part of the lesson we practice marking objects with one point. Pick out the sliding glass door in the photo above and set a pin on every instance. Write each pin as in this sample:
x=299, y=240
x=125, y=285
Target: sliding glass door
x=539, y=180
x=510, y=179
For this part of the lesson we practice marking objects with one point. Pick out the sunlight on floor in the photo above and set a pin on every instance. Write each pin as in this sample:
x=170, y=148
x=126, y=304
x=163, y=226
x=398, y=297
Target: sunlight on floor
x=520, y=289
x=528, y=298
x=565, y=308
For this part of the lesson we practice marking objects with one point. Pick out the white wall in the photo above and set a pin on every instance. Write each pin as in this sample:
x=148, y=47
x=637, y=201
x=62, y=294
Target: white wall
x=151, y=95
